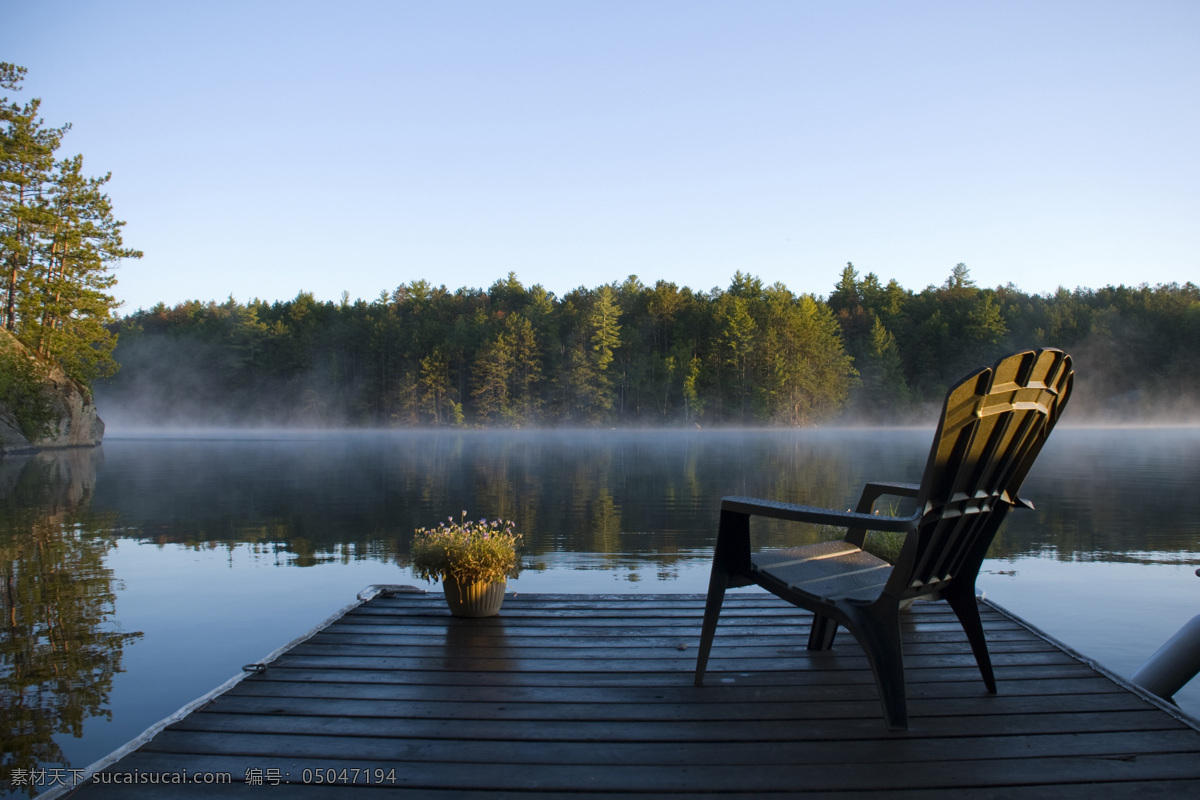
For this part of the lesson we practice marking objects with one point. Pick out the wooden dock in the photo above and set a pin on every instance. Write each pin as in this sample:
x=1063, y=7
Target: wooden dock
x=573, y=695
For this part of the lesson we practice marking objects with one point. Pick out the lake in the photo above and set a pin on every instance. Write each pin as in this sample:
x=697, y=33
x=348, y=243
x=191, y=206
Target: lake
x=142, y=574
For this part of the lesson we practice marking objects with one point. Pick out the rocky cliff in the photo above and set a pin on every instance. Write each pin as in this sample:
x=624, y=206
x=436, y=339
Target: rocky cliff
x=67, y=414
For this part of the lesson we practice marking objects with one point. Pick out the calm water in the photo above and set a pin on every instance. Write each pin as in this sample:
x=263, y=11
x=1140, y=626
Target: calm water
x=143, y=574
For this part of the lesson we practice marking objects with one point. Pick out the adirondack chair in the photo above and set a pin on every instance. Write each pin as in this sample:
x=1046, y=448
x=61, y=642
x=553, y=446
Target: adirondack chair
x=993, y=425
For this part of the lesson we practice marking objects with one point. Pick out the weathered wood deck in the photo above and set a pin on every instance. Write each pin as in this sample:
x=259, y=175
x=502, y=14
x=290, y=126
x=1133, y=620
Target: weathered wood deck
x=563, y=695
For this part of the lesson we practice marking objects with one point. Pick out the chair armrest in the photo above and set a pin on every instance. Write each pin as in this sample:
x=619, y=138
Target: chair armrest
x=751, y=506
x=871, y=492
x=877, y=489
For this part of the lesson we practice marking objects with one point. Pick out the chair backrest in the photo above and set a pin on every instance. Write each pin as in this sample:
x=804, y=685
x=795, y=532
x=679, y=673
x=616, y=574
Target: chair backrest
x=992, y=428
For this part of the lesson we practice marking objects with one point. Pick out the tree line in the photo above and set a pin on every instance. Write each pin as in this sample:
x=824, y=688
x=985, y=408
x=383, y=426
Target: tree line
x=628, y=354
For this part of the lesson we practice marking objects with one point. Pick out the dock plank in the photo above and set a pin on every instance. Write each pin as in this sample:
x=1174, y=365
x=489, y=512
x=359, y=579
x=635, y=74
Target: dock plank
x=570, y=694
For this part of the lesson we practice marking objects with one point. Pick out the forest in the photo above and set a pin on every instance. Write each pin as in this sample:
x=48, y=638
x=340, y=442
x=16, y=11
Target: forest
x=628, y=354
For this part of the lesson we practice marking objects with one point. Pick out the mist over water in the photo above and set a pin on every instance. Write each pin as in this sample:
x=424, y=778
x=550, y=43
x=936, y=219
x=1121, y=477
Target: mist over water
x=217, y=546
x=1101, y=493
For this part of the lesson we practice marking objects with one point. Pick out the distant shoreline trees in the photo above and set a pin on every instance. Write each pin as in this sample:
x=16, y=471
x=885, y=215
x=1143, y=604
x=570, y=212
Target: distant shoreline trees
x=628, y=354
x=59, y=242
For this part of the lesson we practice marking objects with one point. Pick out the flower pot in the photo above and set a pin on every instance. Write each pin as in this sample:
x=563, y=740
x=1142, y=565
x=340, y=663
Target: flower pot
x=480, y=599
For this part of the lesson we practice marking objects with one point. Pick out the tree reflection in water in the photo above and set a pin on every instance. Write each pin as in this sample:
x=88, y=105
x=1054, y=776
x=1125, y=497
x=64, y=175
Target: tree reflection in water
x=59, y=647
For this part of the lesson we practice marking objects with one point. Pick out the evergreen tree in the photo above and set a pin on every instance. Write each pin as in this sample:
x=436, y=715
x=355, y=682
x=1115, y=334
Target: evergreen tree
x=985, y=324
x=960, y=278
x=808, y=374
x=65, y=315
x=589, y=356
x=739, y=336
x=605, y=333
x=525, y=380
x=437, y=398
x=58, y=243
x=492, y=373
x=507, y=374
x=885, y=395
x=27, y=149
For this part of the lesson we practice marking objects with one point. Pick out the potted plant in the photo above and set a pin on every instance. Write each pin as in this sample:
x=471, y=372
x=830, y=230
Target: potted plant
x=473, y=560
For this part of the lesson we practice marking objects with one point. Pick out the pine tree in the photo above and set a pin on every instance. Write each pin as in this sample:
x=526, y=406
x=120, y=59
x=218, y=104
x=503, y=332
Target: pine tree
x=526, y=376
x=66, y=312
x=605, y=333
x=437, y=398
x=884, y=391
x=590, y=356
x=26, y=162
x=737, y=340
x=59, y=242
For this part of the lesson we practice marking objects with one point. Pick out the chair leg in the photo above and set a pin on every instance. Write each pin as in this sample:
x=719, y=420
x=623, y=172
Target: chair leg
x=966, y=608
x=879, y=633
x=820, y=636
x=731, y=556
x=717, y=583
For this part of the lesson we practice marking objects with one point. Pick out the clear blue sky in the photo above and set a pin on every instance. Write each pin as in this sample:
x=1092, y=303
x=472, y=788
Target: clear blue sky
x=263, y=148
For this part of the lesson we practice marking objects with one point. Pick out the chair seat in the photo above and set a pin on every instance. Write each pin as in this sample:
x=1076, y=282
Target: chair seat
x=826, y=570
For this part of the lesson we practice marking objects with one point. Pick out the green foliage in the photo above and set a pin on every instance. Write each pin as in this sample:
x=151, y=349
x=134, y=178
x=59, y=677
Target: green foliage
x=588, y=377
x=884, y=544
x=471, y=552
x=23, y=390
x=510, y=356
x=881, y=544
x=507, y=372
x=58, y=243
x=1133, y=347
x=634, y=355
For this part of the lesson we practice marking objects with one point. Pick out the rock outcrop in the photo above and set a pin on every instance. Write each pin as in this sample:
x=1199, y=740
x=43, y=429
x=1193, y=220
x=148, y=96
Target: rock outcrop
x=73, y=422
x=12, y=440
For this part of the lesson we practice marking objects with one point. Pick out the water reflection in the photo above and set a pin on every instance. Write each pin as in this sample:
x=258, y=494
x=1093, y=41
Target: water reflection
x=59, y=645
x=360, y=495
x=1100, y=494
x=639, y=508
x=1111, y=495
